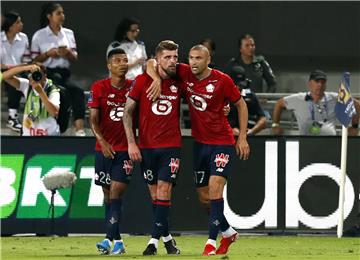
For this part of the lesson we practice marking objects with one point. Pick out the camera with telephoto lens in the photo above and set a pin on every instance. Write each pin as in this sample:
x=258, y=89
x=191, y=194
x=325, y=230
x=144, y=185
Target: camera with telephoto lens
x=238, y=75
x=36, y=76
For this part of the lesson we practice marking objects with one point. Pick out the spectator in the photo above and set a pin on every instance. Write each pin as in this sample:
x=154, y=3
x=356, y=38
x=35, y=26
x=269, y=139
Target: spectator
x=314, y=110
x=127, y=33
x=211, y=46
x=56, y=47
x=256, y=67
x=14, y=52
x=257, y=118
x=42, y=100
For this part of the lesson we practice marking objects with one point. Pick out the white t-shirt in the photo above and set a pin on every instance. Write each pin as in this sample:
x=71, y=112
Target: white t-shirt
x=134, y=51
x=306, y=112
x=16, y=52
x=42, y=126
x=44, y=40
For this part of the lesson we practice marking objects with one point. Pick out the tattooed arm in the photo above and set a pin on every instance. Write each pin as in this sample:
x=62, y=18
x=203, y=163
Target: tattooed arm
x=133, y=149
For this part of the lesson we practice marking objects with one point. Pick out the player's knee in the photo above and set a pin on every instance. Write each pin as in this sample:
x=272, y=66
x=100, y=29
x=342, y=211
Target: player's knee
x=153, y=191
x=216, y=190
x=106, y=195
x=164, y=190
x=117, y=189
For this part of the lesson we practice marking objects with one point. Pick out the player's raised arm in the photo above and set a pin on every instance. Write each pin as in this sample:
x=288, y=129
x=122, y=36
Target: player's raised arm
x=133, y=149
x=242, y=146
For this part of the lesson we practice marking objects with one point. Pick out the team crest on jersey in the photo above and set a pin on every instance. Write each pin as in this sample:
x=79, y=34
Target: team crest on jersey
x=190, y=84
x=173, y=89
x=174, y=165
x=128, y=166
x=111, y=95
x=221, y=160
x=210, y=88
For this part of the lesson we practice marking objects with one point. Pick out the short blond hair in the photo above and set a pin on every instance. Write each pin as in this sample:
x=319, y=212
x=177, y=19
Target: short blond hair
x=166, y=45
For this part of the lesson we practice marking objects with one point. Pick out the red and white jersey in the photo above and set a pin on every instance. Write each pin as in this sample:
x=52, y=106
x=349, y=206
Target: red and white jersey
x=206, y=99
x=159, y=125
x=111, y=103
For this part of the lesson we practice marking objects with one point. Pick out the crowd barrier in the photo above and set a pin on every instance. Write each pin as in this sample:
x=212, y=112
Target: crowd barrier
x=289, y=184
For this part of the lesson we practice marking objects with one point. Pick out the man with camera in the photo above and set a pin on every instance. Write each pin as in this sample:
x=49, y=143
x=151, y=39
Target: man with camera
x=42, y=100
x=257, y=118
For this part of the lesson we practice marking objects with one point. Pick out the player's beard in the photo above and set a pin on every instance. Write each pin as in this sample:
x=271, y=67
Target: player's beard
x=170, y=71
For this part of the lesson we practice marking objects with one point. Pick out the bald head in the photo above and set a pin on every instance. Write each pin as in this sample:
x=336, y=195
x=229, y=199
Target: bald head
x=199, y=59
x=201, y=48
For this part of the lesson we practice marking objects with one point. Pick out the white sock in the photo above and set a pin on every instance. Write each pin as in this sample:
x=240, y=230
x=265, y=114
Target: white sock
x=211, y=242
x=118, y=241
x=13, y=113
x=154, y=241
x=108, y=241
x=229, y=232
x=166, y=239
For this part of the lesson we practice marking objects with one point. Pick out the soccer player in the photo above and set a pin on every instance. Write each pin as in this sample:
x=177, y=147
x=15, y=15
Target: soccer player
x=159, y=140
x=207, y=91
x=113, y=167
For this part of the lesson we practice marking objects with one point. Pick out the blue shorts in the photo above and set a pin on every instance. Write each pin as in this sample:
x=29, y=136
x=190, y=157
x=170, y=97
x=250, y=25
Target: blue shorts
x=118, y=169
x=212, y=160
x=160, y=164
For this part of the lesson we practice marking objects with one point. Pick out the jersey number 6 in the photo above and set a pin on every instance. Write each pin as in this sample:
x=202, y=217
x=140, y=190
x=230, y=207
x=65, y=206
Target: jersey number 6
x=161, y=107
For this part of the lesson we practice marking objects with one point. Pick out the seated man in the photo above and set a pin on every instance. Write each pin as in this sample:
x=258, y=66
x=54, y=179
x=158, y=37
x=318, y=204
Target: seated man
x=314, y=110
x=42, y=100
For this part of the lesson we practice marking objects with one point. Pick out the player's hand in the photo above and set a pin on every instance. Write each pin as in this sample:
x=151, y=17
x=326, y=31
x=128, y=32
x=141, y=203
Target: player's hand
x=226, y=110
x=154, y=91
x=242, y=148
x=236, y=131
x=134, y=152
x=107, y=149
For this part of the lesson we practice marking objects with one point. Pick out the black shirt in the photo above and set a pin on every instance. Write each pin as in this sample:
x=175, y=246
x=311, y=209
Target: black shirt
x=257, y=71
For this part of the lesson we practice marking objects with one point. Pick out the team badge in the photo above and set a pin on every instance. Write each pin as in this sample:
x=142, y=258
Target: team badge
x=173, y=89
x=111, y=95
x=210, y=88
x=128, y=166
x=221, y=160
x=174, y=165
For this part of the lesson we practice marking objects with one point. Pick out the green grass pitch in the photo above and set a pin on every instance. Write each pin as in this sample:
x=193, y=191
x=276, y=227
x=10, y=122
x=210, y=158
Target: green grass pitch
x=247, y=247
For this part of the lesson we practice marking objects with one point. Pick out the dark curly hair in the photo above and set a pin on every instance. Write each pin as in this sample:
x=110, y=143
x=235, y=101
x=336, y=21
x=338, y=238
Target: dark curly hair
x=124, y=27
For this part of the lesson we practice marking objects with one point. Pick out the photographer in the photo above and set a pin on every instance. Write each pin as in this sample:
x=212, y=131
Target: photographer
x=42, y=100
x=257, y=119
